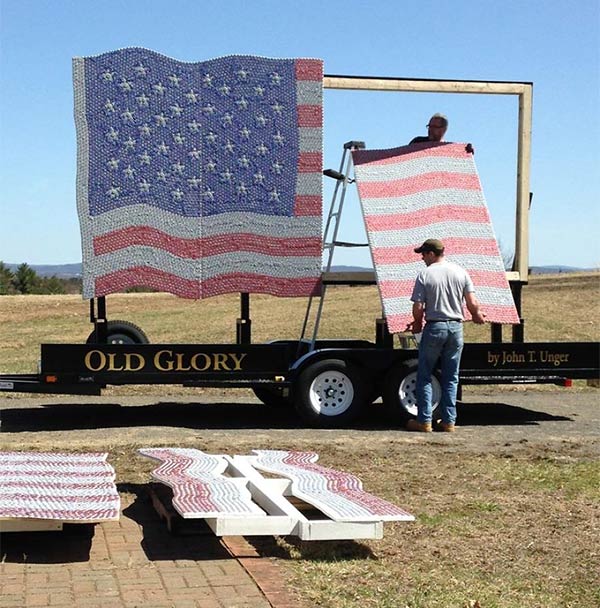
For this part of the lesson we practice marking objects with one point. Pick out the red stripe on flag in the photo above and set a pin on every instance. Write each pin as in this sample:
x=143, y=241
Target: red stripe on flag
x=197, y=248
x=424, y=217
x=307, y=205
x=164, y=281
x=497, y=313
x=396, y=289
x=419, y=183
x=307, y=286
x=310, y=162
x=148, y=236
x=310, y=116
x=309, y=69
x=453, y=246
x=403, y=154
x=488, y=278
x=147, y=277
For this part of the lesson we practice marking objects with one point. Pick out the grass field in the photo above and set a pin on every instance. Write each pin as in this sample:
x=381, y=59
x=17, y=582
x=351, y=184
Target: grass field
x=504, y=524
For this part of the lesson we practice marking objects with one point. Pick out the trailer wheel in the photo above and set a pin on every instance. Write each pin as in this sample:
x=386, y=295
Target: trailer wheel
x=272, y=396
x=399, y=395
x=121, y=332
x=329, y=393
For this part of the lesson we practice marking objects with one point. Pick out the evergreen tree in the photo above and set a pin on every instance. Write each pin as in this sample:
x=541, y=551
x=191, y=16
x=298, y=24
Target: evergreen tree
x=25, y=279
x=6, y=280
x=51, y=285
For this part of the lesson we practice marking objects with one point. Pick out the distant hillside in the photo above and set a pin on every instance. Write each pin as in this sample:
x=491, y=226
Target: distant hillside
x=67, y=271
x=62, y=271
x=557, y=269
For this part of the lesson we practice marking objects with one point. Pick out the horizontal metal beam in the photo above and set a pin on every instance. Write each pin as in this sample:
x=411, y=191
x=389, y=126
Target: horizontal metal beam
x=371, y=83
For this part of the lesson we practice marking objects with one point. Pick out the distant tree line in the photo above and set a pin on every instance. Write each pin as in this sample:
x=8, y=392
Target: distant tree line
x=25, y=280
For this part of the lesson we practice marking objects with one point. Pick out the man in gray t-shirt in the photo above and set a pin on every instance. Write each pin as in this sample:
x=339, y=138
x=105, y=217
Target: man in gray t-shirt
x=437, y=297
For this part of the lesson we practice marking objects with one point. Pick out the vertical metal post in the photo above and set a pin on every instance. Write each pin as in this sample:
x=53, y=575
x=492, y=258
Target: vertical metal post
x=496, y=332
x=99, y=319
x=244, y=324
x=383, y=337
x=518, y=331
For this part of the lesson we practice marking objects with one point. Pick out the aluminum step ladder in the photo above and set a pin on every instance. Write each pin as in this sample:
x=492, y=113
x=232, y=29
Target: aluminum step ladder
x=330, y=235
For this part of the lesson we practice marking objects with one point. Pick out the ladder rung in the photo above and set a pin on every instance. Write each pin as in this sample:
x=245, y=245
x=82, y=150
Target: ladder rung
x=346, y=244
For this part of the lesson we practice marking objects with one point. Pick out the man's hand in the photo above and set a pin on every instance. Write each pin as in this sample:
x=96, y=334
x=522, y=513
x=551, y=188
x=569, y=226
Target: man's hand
x=469, y=149
x=416, y=327
x=479, y=317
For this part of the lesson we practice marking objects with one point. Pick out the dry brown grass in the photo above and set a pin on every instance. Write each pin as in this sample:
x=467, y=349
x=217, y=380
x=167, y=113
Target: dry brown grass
x=556, y=308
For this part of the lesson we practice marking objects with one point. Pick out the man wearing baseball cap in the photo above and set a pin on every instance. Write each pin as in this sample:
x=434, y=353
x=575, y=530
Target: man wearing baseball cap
x=437, y=297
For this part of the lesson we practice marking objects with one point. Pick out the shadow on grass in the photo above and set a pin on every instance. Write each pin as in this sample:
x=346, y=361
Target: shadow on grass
x=75, y=416
x=291, y=547
x=71, y=544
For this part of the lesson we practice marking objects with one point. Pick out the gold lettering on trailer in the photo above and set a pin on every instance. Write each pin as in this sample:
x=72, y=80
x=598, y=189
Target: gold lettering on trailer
x=129, y=364
x=555, y=358
x=167, y=366
x=238, y=360
x=112, y=366
x=180, y=367
x=199, y=367
x=164, y=361
x=221, y=362
x=89, y=363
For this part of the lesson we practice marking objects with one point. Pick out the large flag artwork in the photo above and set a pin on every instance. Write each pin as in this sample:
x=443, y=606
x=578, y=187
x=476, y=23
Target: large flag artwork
x=413, y=193
x=199, y=178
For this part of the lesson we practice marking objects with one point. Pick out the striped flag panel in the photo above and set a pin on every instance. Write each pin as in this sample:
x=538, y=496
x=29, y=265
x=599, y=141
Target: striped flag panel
x=55, y=486
x=430, y=190
x=200, y=488
x=338, y=494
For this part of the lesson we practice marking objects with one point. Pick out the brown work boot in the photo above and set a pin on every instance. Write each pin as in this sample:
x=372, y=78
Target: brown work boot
x=445, y=427
x=415, y=425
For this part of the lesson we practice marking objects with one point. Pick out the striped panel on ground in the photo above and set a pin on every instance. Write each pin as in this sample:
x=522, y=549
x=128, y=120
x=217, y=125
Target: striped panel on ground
x=199, y=487
x=337, y=494
x=71, y=488
x=413, y=193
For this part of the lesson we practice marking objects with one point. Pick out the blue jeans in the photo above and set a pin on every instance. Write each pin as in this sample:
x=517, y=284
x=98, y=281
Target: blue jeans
x=442, y=341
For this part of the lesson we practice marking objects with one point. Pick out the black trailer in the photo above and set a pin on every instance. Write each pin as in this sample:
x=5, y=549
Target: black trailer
x=328, y=382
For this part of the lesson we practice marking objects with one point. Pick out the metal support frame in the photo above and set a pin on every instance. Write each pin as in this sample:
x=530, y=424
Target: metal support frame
x=524, y=93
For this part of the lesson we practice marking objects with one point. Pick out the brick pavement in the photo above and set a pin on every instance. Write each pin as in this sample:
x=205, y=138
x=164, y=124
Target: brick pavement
x=134, y=563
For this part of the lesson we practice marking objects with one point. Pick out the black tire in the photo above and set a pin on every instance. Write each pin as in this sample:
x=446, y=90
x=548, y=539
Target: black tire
x=399, y=392
x=121, y=332
x=272, y=396
x=329, y=393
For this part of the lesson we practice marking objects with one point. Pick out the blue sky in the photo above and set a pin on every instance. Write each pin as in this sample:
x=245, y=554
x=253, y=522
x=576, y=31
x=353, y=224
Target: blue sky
x=537, y=41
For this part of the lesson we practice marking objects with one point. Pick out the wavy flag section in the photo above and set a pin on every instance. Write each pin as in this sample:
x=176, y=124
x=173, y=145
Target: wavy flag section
x=413, y=193
x=338, y=494
x=199, y=178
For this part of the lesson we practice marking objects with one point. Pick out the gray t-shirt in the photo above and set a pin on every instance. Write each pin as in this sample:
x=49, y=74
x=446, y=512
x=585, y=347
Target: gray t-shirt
x=442, y=287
